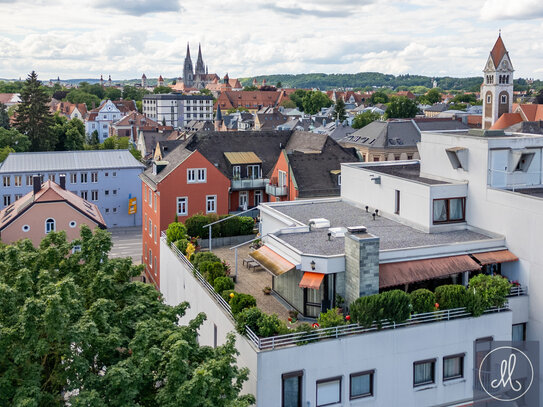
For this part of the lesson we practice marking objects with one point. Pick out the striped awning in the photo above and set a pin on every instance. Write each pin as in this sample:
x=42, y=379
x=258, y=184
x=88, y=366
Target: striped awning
x=271, y=261
x=499, y=256
x=311, y=280
x=406, y=272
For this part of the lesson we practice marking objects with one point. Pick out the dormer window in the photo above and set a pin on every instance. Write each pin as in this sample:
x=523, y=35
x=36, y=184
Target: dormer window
x=253, y=171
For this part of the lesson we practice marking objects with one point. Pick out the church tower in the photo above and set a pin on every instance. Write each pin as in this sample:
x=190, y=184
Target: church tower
x=188, y=73
x=200, y=67
x=497, y=87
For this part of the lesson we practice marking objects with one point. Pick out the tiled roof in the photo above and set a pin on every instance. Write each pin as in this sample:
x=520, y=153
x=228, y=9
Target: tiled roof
x=498, y=51
x=173, y=159
x=13, y=211
x=252, y=99
x=68, y=160
x=506, y=120
x=8, y=97
x=530, y=112
x=379, y=134
x=137, y=119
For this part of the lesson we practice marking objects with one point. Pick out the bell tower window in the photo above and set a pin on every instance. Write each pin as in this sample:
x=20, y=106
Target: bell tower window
x=503, y=99
x=488, y=99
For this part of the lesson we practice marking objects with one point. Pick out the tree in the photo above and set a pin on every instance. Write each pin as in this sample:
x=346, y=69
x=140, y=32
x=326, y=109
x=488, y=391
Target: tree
x=314, y=101
x=433, y=96
x=279, y=85
x=12, y=138
x=288, y=104
x=94, y=139
x=205, y=91
x=297, y=97
x=4, y=152
x=401, y=107
x=365, y=118
x=250, y=88
x=4, y=117
x=78, y=96
x=378, y=97
x=74, y=325
x=339, y=110
x=162, y=89
x=112, y=93
x=133, y=93
x=464, y=98
x=70, y=134
x=33, y=117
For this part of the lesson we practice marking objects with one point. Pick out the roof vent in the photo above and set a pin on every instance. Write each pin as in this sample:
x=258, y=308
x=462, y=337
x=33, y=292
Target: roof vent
x=357, y=229
x=319, y=223
x=337, y=232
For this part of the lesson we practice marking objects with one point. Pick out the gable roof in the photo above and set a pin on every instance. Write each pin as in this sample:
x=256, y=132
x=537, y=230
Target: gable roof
x=379, y=134
x=172, y=161
x=305, y=141
x=498, y=51
x=252, y=99
x=530, y=112
x=139, y=120
x=506, y=120
x=50, y=192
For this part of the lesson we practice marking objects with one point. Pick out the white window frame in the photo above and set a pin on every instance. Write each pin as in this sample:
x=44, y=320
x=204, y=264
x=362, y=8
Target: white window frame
x=73, y=178
x=184, y=202
x=84, y=195
x=196, y=175
x=259, y=194
x=48, y=229
x=281, y=178
x=6, y=180
x=324, y=392
x=252, y=168
x=28, y=180
x=94, y=177
x=94, y=195
x=503, y=99
x=245, y=195
x=17, y=180
x=150, y=227
x=83, y=177
x=213, y=200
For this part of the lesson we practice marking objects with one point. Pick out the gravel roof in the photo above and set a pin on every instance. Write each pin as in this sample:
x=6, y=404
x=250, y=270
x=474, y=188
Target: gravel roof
x=407, y=171
x=393, y=235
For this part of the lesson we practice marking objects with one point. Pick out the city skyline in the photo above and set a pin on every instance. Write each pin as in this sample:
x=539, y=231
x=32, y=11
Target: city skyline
x=127, y=39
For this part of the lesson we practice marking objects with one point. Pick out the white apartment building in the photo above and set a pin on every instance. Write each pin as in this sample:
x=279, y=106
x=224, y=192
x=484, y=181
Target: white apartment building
x=177, y=110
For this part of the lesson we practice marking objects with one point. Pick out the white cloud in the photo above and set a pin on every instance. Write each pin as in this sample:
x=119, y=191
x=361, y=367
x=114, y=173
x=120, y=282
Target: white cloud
x=506, y=9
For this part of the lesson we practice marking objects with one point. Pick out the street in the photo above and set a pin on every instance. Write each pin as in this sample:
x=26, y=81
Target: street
x=126, y=243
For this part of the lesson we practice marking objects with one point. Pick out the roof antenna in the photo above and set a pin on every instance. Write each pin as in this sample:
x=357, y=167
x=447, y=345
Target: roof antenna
x=500, y=32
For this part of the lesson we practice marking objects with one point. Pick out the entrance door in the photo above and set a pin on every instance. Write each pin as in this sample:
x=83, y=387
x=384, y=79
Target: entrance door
x=243, y=199
x=258, y=197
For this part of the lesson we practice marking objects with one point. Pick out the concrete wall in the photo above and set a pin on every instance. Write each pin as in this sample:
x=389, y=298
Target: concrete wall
x=225, y=241
x=361, y=266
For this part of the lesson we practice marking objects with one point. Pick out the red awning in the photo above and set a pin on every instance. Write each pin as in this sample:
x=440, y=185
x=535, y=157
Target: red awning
x=405, y=272
x=311, y=280
x=271, y=261
x=500, y=256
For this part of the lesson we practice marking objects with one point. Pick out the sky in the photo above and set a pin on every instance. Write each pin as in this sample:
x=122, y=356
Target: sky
x=125, y=38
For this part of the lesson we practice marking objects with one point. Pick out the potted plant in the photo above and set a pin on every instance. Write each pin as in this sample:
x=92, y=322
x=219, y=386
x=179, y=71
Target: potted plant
x=292, y=316
x=267, y=290
x=340, y=301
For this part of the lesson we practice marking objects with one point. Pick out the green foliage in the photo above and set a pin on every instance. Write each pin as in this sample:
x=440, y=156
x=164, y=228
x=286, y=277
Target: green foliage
x=331, y=318
x=233, y=226
x=475, y=303
x=307, y=330
x=12, y=138
x=248, y=317
x=4, y=117
x=464, y=98
x=401, y=107
x=182, y=245
x=288, y=104
x=260, y=323
x=201, y=257
x=378, y=97
x=365, y=118
x=70, y=134
x=221, y=284
x=135, y=152
x=79, y=96
x=112, y=93
x=175, y=231
x=77, y=322
x=205, y=92
x=451, y=296
x=33, y=117
x=94, y=139
x=395, y=304
x=431, y=97
x=226, y=294
x=241, y=301
x=250, y=88
x=133, y=93
x=313, y=101
x=339, y=110
x=365, y=310
x=11, y=87
x=298, y=98
x=195, y=225
x=211, y=270
x=162, y=90
x=4, y=152
x=422, y=300
x=492, y=289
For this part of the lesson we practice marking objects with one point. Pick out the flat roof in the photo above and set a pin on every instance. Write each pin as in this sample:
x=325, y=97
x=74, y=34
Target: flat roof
x=535, y=192
x=409, y=171
x=392, y=235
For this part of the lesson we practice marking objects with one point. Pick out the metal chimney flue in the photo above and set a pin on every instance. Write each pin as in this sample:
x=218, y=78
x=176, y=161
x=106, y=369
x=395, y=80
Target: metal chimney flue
x=36, y=182
x=62, y=181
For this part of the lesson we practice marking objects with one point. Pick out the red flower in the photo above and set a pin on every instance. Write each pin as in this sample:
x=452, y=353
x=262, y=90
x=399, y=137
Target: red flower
x=289, y=319
x=348, y=317
x=436, y=305
x=315, y=325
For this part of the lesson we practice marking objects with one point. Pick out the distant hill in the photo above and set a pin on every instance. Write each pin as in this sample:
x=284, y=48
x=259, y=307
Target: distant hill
x=365, y=79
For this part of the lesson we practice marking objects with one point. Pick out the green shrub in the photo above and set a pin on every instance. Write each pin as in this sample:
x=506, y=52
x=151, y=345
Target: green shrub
x=242, y=301
x=212, y=270
x=451, y=296
x=270, y=325
x=492, y=289
x=221, y=284
x=475, y=303
x=175, y=232
x=195, y=225
x=201, y=257
x=365, y=310
x=307, y=330
x=422, y=300
x=246, y=225
x=249, y=317
x=182, y=244
x=331, y=318
x=226, y=294
x=395, y=304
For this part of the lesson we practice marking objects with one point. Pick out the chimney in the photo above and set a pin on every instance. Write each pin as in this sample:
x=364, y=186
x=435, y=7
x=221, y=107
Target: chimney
x=62, y=181
x=36, y=182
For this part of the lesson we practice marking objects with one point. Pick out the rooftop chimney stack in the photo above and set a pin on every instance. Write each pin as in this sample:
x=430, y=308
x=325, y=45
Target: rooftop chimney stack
x=36, y=182
x=62, y=181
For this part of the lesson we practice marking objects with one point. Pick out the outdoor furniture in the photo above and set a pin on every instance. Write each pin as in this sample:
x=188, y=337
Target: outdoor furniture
x=248, y=262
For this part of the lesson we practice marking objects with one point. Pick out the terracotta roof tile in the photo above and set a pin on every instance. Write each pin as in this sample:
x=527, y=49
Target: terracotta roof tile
x=498, y=51
x=506, y=120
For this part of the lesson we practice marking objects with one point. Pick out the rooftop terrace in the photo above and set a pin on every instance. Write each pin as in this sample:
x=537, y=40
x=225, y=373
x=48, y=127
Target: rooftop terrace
x=393, y=235
x=409, y=171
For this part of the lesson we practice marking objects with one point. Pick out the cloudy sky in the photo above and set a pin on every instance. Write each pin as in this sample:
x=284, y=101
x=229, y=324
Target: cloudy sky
x=124, y=38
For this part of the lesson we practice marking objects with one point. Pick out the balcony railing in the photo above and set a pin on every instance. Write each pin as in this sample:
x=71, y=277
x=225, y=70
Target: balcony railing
x=276, y=190
x=518, y=291
x=249, y=183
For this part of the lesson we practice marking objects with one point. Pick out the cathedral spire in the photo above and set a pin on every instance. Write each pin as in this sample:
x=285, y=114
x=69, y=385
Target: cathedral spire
x=200, y=67
x=188, y=73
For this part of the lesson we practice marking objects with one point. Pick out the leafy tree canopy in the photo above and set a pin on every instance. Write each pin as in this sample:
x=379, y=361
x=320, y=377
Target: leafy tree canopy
x=70, y=134
x=77, y=331
x=4, y=116
x=378, y=97
x=365, y=118
x=401, y=107
x=79, y=96
x=339, y=110
x=164, y=89
x=12, y=138
x=313, y=101
x=133, y=93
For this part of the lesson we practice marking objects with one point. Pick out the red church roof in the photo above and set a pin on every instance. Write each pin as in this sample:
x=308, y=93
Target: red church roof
x=498, y=51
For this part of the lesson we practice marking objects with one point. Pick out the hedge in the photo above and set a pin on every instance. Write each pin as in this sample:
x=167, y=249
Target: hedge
x=175, y=232
x=233, y=226
x=451, y=296
x=200, y=257
x=221, y=284
x=212, y=270
x=422, y=300
x=260, y=323
x=240, y=302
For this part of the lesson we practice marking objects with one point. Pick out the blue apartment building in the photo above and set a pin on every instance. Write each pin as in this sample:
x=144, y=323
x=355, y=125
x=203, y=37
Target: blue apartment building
x=107, y=178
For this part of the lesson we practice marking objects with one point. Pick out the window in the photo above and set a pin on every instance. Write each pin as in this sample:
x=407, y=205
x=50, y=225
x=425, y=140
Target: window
x=449, y=210
x=211, y=204
x=106, y=192
x=397, y=202
x=150, y=227
x=28, y=180
x=145, y=222
x=488, y=99
x=18, y=180
x=375, y=159
x=7, y=180
x=84, y=195
x=339, y=179
x=236, y=171
x=196, y=175
x=361, y=385
x=83, y=177
x=7, y=200
x=155, y=265
x=73, y=224
x=49, y=225
x=155, y=234
x=282, y=178
x=18, y=196
x=453, y=367
x=114, y=210
x=150, y=258
x=328, y=391
x=73, y=178
x=182, y=205
x=258, y=197
x=76, y=248
x=253, y=171
x=106, y=174
x=424, y=372
x=155, y=201
x=149, y=199
x=519, y=332
x=26, y=228
x=503, y=99
x=94, y=195
x=243, y=199
x=52, y=177
x=114, y=173
x=94, y=177
x=291, y=389
x=114, y=192
x=107, y=210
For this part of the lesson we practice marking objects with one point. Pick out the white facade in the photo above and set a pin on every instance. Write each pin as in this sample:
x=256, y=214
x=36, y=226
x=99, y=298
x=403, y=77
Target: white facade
x=178, y=110
x=108, y=114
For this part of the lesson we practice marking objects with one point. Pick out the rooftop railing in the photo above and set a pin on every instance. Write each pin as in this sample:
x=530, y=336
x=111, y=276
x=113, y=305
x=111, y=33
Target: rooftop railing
x=276, y=190
x=518, y=290
x=249, y=183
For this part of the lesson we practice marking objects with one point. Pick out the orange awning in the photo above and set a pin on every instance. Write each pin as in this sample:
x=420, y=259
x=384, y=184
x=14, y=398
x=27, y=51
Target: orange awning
x=500, y=256
x=311, y=280
x=405, y=272
x=271, y=261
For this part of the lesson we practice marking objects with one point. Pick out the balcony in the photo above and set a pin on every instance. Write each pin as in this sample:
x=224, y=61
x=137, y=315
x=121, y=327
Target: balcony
x=276, y=190
x=242, y=184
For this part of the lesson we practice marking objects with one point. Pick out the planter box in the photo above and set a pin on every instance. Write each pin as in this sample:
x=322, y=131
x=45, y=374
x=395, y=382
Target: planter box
x=224, y=241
